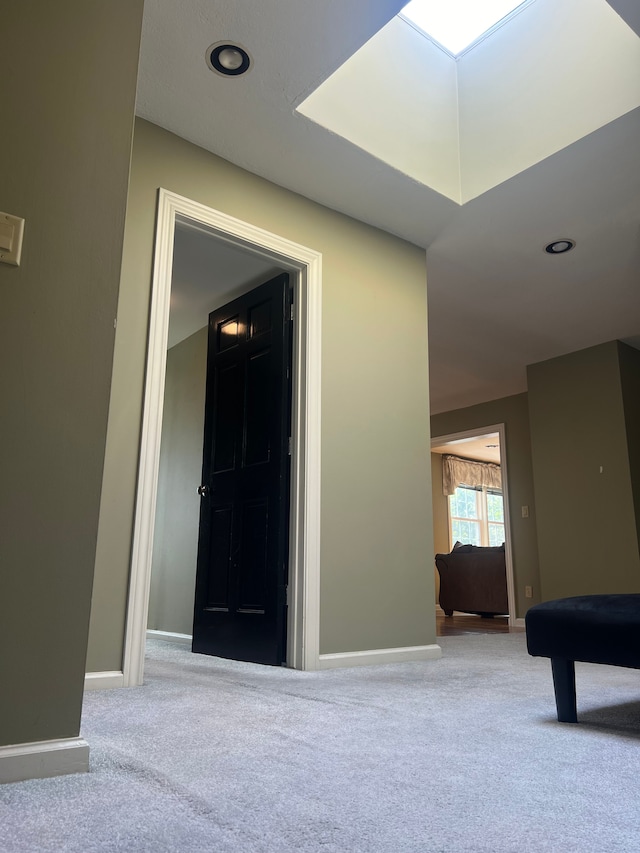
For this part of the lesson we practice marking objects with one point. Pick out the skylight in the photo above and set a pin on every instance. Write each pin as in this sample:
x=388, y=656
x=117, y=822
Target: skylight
x=455, y=24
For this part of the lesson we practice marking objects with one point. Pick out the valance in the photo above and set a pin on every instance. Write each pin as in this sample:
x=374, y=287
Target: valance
x=457, y=471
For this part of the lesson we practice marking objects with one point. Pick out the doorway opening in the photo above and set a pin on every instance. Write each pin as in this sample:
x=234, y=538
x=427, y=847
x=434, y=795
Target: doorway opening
x=474, y=514
x=249, y=251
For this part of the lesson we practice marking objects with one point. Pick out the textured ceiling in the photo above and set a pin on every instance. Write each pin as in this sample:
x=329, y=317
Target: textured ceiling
x=497, y=302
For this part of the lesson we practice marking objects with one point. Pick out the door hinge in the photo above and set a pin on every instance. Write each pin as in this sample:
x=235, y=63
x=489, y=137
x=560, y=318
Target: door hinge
x=289, y=446
x=292, y=313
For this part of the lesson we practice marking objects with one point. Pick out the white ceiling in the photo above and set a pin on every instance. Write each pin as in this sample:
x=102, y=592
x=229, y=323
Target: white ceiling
x=484, y=448
x=497, y=302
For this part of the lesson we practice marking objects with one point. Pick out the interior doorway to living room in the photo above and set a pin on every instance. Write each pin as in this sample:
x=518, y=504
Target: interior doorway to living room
x=472, y=543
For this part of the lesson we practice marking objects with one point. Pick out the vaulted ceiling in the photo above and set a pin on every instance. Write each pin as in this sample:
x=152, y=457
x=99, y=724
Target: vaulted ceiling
x=531, y=136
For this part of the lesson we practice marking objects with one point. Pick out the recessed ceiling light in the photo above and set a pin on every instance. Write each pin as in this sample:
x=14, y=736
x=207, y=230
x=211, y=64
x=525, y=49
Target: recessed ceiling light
x=228, y=59
x=559, y=247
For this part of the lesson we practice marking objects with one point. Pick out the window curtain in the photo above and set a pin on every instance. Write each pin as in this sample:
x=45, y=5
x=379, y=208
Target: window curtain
x=457, y=472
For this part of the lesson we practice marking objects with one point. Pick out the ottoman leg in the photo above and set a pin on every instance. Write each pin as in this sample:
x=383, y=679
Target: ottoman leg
x=564, y=684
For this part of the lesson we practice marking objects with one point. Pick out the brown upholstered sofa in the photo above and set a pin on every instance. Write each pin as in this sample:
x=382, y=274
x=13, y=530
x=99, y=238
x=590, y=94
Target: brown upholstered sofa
x=473, y=580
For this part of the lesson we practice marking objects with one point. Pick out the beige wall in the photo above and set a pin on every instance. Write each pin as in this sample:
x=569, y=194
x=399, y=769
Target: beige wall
x=441, y=543
x=513, y=413
x=376, y=541
x=630, y=380
x=68, y=90
x=587, y=533
x=175, y=545
x=440, y=515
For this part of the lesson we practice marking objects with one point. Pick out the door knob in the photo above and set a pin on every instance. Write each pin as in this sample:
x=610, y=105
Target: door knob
x=203, y=491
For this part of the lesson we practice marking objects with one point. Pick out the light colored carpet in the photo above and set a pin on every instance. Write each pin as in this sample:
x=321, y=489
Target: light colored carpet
x=457, y=755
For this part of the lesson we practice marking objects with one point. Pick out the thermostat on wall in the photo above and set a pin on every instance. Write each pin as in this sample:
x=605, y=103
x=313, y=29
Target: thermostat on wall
x=11, y=231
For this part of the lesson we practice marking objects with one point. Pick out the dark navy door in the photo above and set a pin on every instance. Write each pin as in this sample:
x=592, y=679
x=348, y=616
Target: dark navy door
x=241, y=578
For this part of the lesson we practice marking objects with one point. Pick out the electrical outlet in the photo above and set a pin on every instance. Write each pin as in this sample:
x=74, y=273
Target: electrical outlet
x=528, y=592
x=525, y=512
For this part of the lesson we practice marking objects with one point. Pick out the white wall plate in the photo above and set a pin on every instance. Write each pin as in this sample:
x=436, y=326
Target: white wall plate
x=11, y=231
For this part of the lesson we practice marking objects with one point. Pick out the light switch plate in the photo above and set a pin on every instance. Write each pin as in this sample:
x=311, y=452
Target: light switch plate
x=11, y=231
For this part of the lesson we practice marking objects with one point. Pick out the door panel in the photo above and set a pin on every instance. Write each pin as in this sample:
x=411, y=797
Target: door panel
x=218, y=582
x=228, y=384
x=257, y=440
x=253, y=573
x=240, y=603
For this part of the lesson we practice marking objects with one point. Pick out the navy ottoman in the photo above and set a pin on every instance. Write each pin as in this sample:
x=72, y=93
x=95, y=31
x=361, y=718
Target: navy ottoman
x=592, y=628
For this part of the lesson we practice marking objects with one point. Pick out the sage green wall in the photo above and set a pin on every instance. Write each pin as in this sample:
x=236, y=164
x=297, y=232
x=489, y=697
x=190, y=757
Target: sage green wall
x=587, y=534
x=630, y=379
x=68, y=91
x=376, y=540
x=175, y=544
x=514, y=414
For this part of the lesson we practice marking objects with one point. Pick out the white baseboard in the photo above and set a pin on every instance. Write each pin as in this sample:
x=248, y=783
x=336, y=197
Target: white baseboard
x=103, y=680
x=169, y=636
x=109, y=680
x=517, y=623
x=377, y=656
x=43, y=758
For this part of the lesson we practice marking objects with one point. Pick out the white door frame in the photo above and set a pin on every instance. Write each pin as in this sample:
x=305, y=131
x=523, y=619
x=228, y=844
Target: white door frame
x=304, y=527
x=436, y=441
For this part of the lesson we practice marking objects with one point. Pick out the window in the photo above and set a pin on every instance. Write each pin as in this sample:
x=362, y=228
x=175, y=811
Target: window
x=455, y=24
x=476, y=516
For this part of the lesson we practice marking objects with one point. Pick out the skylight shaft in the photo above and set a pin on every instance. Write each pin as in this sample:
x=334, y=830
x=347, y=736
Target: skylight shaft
x=456, y=24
